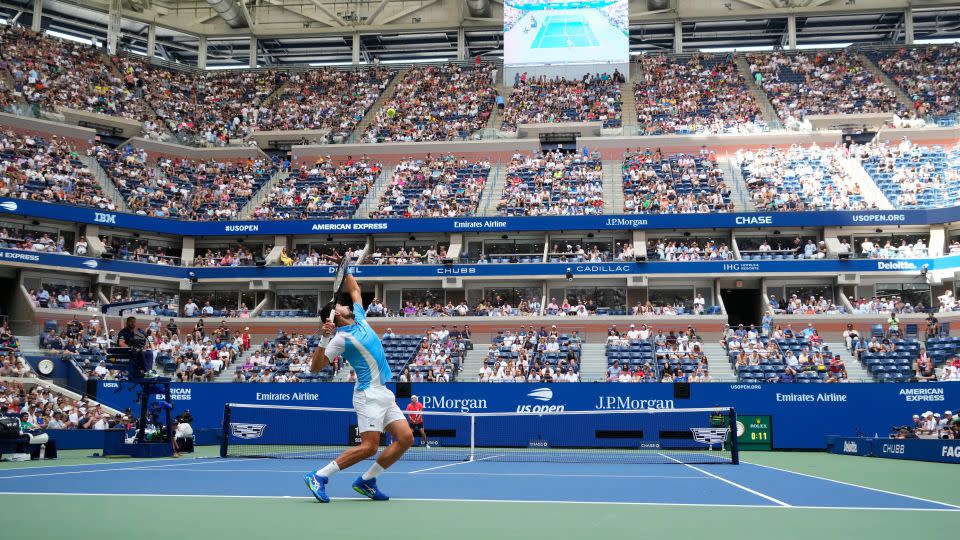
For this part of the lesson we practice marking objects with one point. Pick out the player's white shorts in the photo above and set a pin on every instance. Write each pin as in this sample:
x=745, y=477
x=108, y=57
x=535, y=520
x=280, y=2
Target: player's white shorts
x=376, y=407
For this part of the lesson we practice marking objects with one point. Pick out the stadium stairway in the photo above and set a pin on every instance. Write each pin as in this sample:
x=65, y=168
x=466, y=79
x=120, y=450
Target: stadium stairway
x=472, y=362
x=104, y=180
x=738, y=189
x=495, y=120
x=902, y=97
x=372, y=200
x=593, y=362
x=613, y=186
x=261, y=194
x=872, y=194
x=495, y=183
x=719, y=362
x=371, y=114
x=628, y=108
x=855, y=370
x=759, y=94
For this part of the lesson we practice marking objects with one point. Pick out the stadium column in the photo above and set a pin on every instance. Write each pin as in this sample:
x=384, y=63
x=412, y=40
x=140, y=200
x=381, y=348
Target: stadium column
x=253, y=51
x=792, y=32
x=279, y=244
x=677, y=36
x=151, y=40
x=37, y=15
x=908, y=25
x=188, y=251
x=639, y=243
x=355, y=51
x=95, y=247
x=461, y=44
x=202, y=53
x=938, y=238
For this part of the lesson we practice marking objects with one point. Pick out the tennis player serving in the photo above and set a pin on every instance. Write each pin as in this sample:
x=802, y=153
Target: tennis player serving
x=377, y=411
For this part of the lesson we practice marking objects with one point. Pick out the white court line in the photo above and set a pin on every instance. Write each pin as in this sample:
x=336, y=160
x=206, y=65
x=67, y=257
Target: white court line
x=731, y=482
x=287, y=471
x=506, y=501
x=878, y=490
x=92, y=471
x=452, y=464
x=108, y=463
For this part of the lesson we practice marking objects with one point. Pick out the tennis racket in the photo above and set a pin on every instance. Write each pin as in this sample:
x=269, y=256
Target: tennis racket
x=338, y=282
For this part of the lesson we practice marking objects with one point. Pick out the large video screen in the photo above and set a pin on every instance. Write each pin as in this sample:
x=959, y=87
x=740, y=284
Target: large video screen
x=538, y=32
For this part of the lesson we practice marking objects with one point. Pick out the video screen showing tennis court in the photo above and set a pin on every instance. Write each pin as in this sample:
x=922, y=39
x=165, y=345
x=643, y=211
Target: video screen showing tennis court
x=538, y=32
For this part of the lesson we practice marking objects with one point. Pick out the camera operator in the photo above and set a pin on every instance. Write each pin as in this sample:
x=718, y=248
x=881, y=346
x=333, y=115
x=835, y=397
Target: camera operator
x=183, y=433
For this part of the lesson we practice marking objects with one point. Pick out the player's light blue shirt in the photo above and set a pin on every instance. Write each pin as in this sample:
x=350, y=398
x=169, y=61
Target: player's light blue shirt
x=360, y=346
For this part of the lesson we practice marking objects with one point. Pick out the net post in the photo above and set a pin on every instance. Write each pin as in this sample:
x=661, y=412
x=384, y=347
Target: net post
x=734, y=444
x=473, y=436
x=226, y=430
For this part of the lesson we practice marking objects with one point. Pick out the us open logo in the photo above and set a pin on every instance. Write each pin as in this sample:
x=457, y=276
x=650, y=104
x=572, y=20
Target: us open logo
x=247, y=431
x=9, y=206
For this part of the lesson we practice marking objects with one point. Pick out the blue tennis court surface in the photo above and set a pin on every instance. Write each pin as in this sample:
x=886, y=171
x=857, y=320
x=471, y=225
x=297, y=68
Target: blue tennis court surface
x=744, y=485
x=564, y=31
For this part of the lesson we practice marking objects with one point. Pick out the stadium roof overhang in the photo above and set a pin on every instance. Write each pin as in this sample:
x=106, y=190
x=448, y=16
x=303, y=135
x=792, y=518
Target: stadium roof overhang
x=297, y=32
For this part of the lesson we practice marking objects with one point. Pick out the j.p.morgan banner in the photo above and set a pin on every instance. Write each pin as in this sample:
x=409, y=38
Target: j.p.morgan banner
x=803, y=415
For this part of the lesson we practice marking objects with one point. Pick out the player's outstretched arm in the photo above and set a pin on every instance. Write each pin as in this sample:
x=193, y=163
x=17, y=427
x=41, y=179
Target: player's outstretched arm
x=353, y=288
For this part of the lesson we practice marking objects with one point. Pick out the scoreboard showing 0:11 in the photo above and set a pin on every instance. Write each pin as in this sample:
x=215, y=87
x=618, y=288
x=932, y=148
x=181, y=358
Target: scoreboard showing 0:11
x=754, y=432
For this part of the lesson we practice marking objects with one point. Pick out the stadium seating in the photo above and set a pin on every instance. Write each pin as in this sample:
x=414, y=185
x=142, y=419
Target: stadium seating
x=436, y=103
x=912, y=176
x=522, y=356
x=433, y=187
x=701, y=94
x=929, y=75
x=799, y=178
x=674, y=184
x=539, y=100
x=46, y=170
x=324, y=98
x=320, y=191
x=552, y=184
x=822, y=82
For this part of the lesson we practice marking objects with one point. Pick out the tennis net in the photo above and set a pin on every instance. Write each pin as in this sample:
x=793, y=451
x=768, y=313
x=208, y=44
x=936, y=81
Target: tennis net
x=635, y=436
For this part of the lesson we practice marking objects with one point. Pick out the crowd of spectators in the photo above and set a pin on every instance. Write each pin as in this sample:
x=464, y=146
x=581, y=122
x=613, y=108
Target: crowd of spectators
x=665, y=249
x=441, y=186
x=324, y=190
x=822, y=82
x=929, y=75
x=43, y=242
x=325, y=98
x=320, y=255
x=285, y=359
x=201, y=191
x=47, y=170
x=799, y=178
x=673, y=184
x=439, y=357
x=53, y=73
x=63, y=297
x=889, y=249
x=700, y=94
x=911, y=175
x=930, y=425
x=879, y=305
x=42, y=407
x=200, y=107
x=132, y=249
x=813, y=305
x=537, y=100
x=562, y=253
x=403, y=256
x=552, y=183
x=236, y=256
x=530, y=355
x=436, y=103
x=785, y=355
